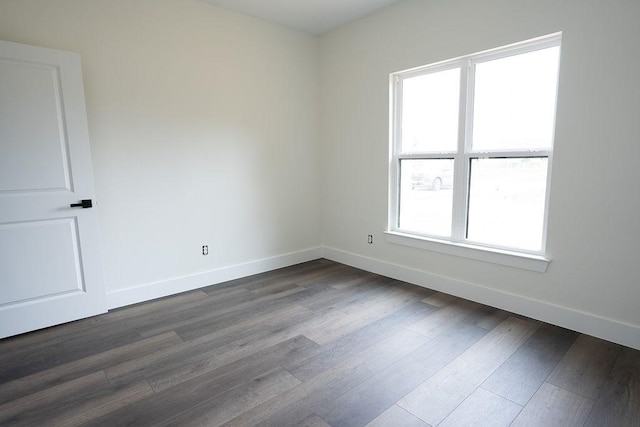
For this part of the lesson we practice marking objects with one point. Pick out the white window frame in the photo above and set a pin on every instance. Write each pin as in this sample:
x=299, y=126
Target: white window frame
x=458, y=244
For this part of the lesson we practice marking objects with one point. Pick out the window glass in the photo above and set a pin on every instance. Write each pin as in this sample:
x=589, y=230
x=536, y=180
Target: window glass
x=514, y=102
x=426, y=196
x=430, y=108
x=506, y=202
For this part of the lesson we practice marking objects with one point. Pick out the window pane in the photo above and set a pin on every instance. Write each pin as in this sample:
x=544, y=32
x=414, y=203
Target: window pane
x=430, y=112
x=426, y=196
x=506, y=202
x=515, y=99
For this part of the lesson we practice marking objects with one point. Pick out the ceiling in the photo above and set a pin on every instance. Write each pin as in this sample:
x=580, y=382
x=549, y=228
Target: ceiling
x=311, y=16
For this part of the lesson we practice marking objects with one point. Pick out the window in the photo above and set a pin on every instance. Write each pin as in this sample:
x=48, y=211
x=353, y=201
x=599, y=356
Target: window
x=472, y=148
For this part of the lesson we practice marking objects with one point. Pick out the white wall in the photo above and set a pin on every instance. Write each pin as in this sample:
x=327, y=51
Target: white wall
x=593, y=281
x=209, y=127
x=203, y=127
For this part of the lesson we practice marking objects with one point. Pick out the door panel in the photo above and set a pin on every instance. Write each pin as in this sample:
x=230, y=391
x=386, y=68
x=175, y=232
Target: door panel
x=22, y=246
x=50, y=264
x=32, y=128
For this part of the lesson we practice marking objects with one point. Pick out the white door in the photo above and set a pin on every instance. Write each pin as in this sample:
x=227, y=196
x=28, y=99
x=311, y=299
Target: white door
x=50, y=265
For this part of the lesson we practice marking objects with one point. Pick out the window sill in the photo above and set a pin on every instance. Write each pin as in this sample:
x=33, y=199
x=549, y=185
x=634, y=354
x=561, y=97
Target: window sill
x=496, y=256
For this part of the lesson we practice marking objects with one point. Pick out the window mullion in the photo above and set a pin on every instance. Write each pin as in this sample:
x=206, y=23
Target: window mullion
x=461, y=177
x=497, y=154
x=396, y=137
x=440, y=155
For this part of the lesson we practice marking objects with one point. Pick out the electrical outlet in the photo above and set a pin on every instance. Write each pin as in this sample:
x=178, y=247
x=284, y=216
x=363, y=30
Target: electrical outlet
x=205, y=249
x=370, y=239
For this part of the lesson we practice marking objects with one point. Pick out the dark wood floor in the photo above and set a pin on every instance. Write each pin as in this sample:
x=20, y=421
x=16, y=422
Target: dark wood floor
x=313, y=345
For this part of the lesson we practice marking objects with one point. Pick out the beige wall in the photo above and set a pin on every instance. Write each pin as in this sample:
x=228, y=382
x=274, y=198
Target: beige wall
x=203, y=127
x=595, y=200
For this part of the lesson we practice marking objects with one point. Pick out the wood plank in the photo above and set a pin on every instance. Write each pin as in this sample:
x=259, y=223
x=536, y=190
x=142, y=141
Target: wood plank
x=396, y=416
x=586, y=366
x=179, y=308
x=359, y=340
x=363, y=289
x=257, y=336
x=112, y=398
x=216, y=309
x=370, y=293
x=100, y=333
x=197, y=360
x=355, y=279
x=61, y=374
x=73, y=402
x=342, y=275
x=181, y=370
x=33, y=341
x=159, y=311
x=237, y=400
x=244, y=313
x=244, y=322
x=433, y=400
x=418, y=292
x=523, y=373
x=290, y=274
x=314, y=421
x=326, y=297
x=359, y=316
x=272, y=287
x=619, y=401
x=491, y=317
x=214, y=384
x=553, y=406
x=440, y=299
x=483, y=409
x=61, y=351
x=18, y=410
x=444, y=319
x=318, y=273
x=299, y=402
x=366, y=401
x=64, y=343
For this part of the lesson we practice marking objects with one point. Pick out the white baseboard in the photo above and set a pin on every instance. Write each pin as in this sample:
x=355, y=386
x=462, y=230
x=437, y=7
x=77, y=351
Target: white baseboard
x=150, y=291
x=608, y=329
